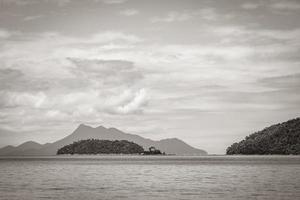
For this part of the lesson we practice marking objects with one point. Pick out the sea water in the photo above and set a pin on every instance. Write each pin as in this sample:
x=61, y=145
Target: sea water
x=150, y=177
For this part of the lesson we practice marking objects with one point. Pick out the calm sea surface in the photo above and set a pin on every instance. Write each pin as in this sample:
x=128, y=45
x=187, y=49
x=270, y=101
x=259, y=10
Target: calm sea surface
x=150, y=177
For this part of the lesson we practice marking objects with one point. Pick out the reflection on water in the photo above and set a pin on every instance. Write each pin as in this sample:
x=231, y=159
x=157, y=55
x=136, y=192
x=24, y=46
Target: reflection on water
x=150, y=177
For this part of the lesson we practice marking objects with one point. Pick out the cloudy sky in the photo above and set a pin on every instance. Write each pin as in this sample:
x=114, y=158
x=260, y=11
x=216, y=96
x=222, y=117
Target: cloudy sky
x=207, y=72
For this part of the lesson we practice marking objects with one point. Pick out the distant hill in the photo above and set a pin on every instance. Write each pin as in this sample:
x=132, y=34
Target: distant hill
x=83, y=132
x=281, y=138
x=94, y=146
x=21, y=149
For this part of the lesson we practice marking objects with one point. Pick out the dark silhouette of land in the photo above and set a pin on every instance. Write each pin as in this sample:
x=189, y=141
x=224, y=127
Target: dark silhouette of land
x=94, y=146
x=83, y=132
x=281, y=138
x=153, y=151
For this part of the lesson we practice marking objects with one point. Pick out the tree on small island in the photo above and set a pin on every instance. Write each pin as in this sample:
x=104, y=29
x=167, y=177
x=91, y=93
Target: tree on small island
x=95, y=146
x=153, y=151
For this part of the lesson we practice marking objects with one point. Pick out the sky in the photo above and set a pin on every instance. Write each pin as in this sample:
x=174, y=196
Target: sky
x=208, y=72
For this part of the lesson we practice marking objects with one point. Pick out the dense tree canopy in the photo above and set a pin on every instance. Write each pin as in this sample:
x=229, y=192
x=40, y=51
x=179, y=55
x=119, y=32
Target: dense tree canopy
x=281, y=138
x=94, y=146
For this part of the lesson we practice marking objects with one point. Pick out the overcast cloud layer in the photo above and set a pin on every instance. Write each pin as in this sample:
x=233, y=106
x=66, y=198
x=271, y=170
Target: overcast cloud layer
x=207, y=72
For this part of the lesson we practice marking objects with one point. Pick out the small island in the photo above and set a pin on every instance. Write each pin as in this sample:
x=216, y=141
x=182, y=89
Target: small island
x=283, y=138
x=95, y=146
x=153, y=151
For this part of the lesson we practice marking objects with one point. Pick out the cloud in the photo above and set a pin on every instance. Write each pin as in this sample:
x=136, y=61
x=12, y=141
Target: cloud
x=110, y=88
x=264, y=44
x=60, y=3
x=206, y=13
x=9, y=75
x=129, y=12
x=66, y=79
x=173, y=16
x=16, y=99
x=135, y=104
x=110, y=72
x=88, y=105
x=19, y=2
x=250, y=5
x=113, y=1
x=190, y=52
x=210, y=14
x=15, y=80
x=33, y=17
x=285, y=5
x=4, y=34
x=110, y=36
x=275, y=5
x=289, y=82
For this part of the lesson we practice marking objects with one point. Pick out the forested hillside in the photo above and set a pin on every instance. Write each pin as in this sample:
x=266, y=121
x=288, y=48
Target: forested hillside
x=94, y=146
x=281, y=138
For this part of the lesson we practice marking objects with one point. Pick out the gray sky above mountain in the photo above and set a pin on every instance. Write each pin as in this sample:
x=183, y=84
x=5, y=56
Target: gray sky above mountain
x=208, y=72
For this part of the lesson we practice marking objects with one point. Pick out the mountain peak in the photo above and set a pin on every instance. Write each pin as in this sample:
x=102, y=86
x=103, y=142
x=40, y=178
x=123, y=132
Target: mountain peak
x=100, y=127
x=28, y=143
x=83, y=126
x=114, y=129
